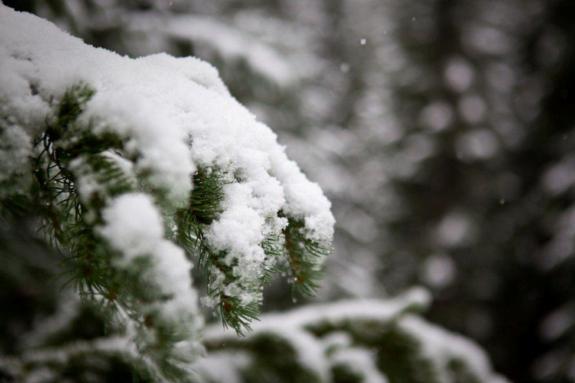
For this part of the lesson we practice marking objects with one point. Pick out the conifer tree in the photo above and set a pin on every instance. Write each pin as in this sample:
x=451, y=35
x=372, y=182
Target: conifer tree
x=112, y=212
x=137, y=169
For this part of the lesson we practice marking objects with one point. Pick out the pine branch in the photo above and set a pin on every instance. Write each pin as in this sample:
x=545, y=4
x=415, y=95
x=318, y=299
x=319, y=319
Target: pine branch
x=274, y=246
x=207, y=196
x=192, y=222
x=77, y=176
x=110, y=187
x=304, y=256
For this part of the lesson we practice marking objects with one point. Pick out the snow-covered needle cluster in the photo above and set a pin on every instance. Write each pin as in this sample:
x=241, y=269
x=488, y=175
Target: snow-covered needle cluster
x=136, y=169
x=368, y=341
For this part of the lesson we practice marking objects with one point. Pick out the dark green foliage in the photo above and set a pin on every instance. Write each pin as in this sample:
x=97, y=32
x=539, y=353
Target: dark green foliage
x=31, y=288
x=89, y=258
x=392, y=345
x=86, y=365
x=460, y=372
x=303, y=255
x=31, y=291
x=67, y=152
x=88, y=323
x=190, y=236
x=65, y=138
x=55, y=185
x=275, y=249
x=69, y=108
x=274, y=359
x=108, y=174
x=398, y=354
x=207, y=196
x=27, y=280
x=343, y=374
x=205, y=206
x=76, y=173
x=108, y=367
x=236, y=314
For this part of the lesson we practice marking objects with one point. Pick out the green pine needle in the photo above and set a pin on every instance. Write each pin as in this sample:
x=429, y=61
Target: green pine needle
x=304, y=256
x=207, y=196
x=237, y=315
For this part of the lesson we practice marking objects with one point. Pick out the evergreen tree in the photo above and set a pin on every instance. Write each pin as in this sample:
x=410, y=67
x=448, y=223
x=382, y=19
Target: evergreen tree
x=440, y=130
x=133, y=170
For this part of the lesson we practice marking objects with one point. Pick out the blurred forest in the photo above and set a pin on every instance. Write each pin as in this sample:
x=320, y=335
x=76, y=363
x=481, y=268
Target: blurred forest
x=441, y=130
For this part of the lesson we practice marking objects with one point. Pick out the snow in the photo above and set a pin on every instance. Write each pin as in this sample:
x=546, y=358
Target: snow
x=352, y=310
x=222, y=367
x=361, y=361
x=320, y=354
x=36, y=362
x=441, y=347
x=309, y=352
x=15, y=149
x=291, y=326
x=133, y=226
x=336, y=313
x=46, y=327
x=63, y=354
x=174, y=115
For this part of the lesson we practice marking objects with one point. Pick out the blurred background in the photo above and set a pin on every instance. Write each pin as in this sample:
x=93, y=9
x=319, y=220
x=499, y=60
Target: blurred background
x=442, y=131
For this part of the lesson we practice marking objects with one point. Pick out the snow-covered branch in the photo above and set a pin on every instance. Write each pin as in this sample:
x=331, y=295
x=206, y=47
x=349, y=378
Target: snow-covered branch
x=141, y=168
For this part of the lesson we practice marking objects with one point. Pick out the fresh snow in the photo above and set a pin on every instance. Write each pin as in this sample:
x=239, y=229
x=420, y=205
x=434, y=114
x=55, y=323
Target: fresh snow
x=318, y=355
x=335, y=313
x=441, y=346
x=174, y=115
x=134, y=227
x=15, y=147
x=222, y=367
x=360, y=361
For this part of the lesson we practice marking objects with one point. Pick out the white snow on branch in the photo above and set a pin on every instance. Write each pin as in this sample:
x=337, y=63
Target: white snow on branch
x=174, y=115
x=15, y=149
x=442, y=347
x=337, y=348
x=222, y=367
x=134, y=227
x=335, y=313
x=361, y=362
x=345, y=311
x=309, y=350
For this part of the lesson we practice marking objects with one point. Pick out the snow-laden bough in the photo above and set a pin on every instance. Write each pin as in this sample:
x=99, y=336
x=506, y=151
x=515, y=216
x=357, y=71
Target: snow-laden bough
x=143, y=166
